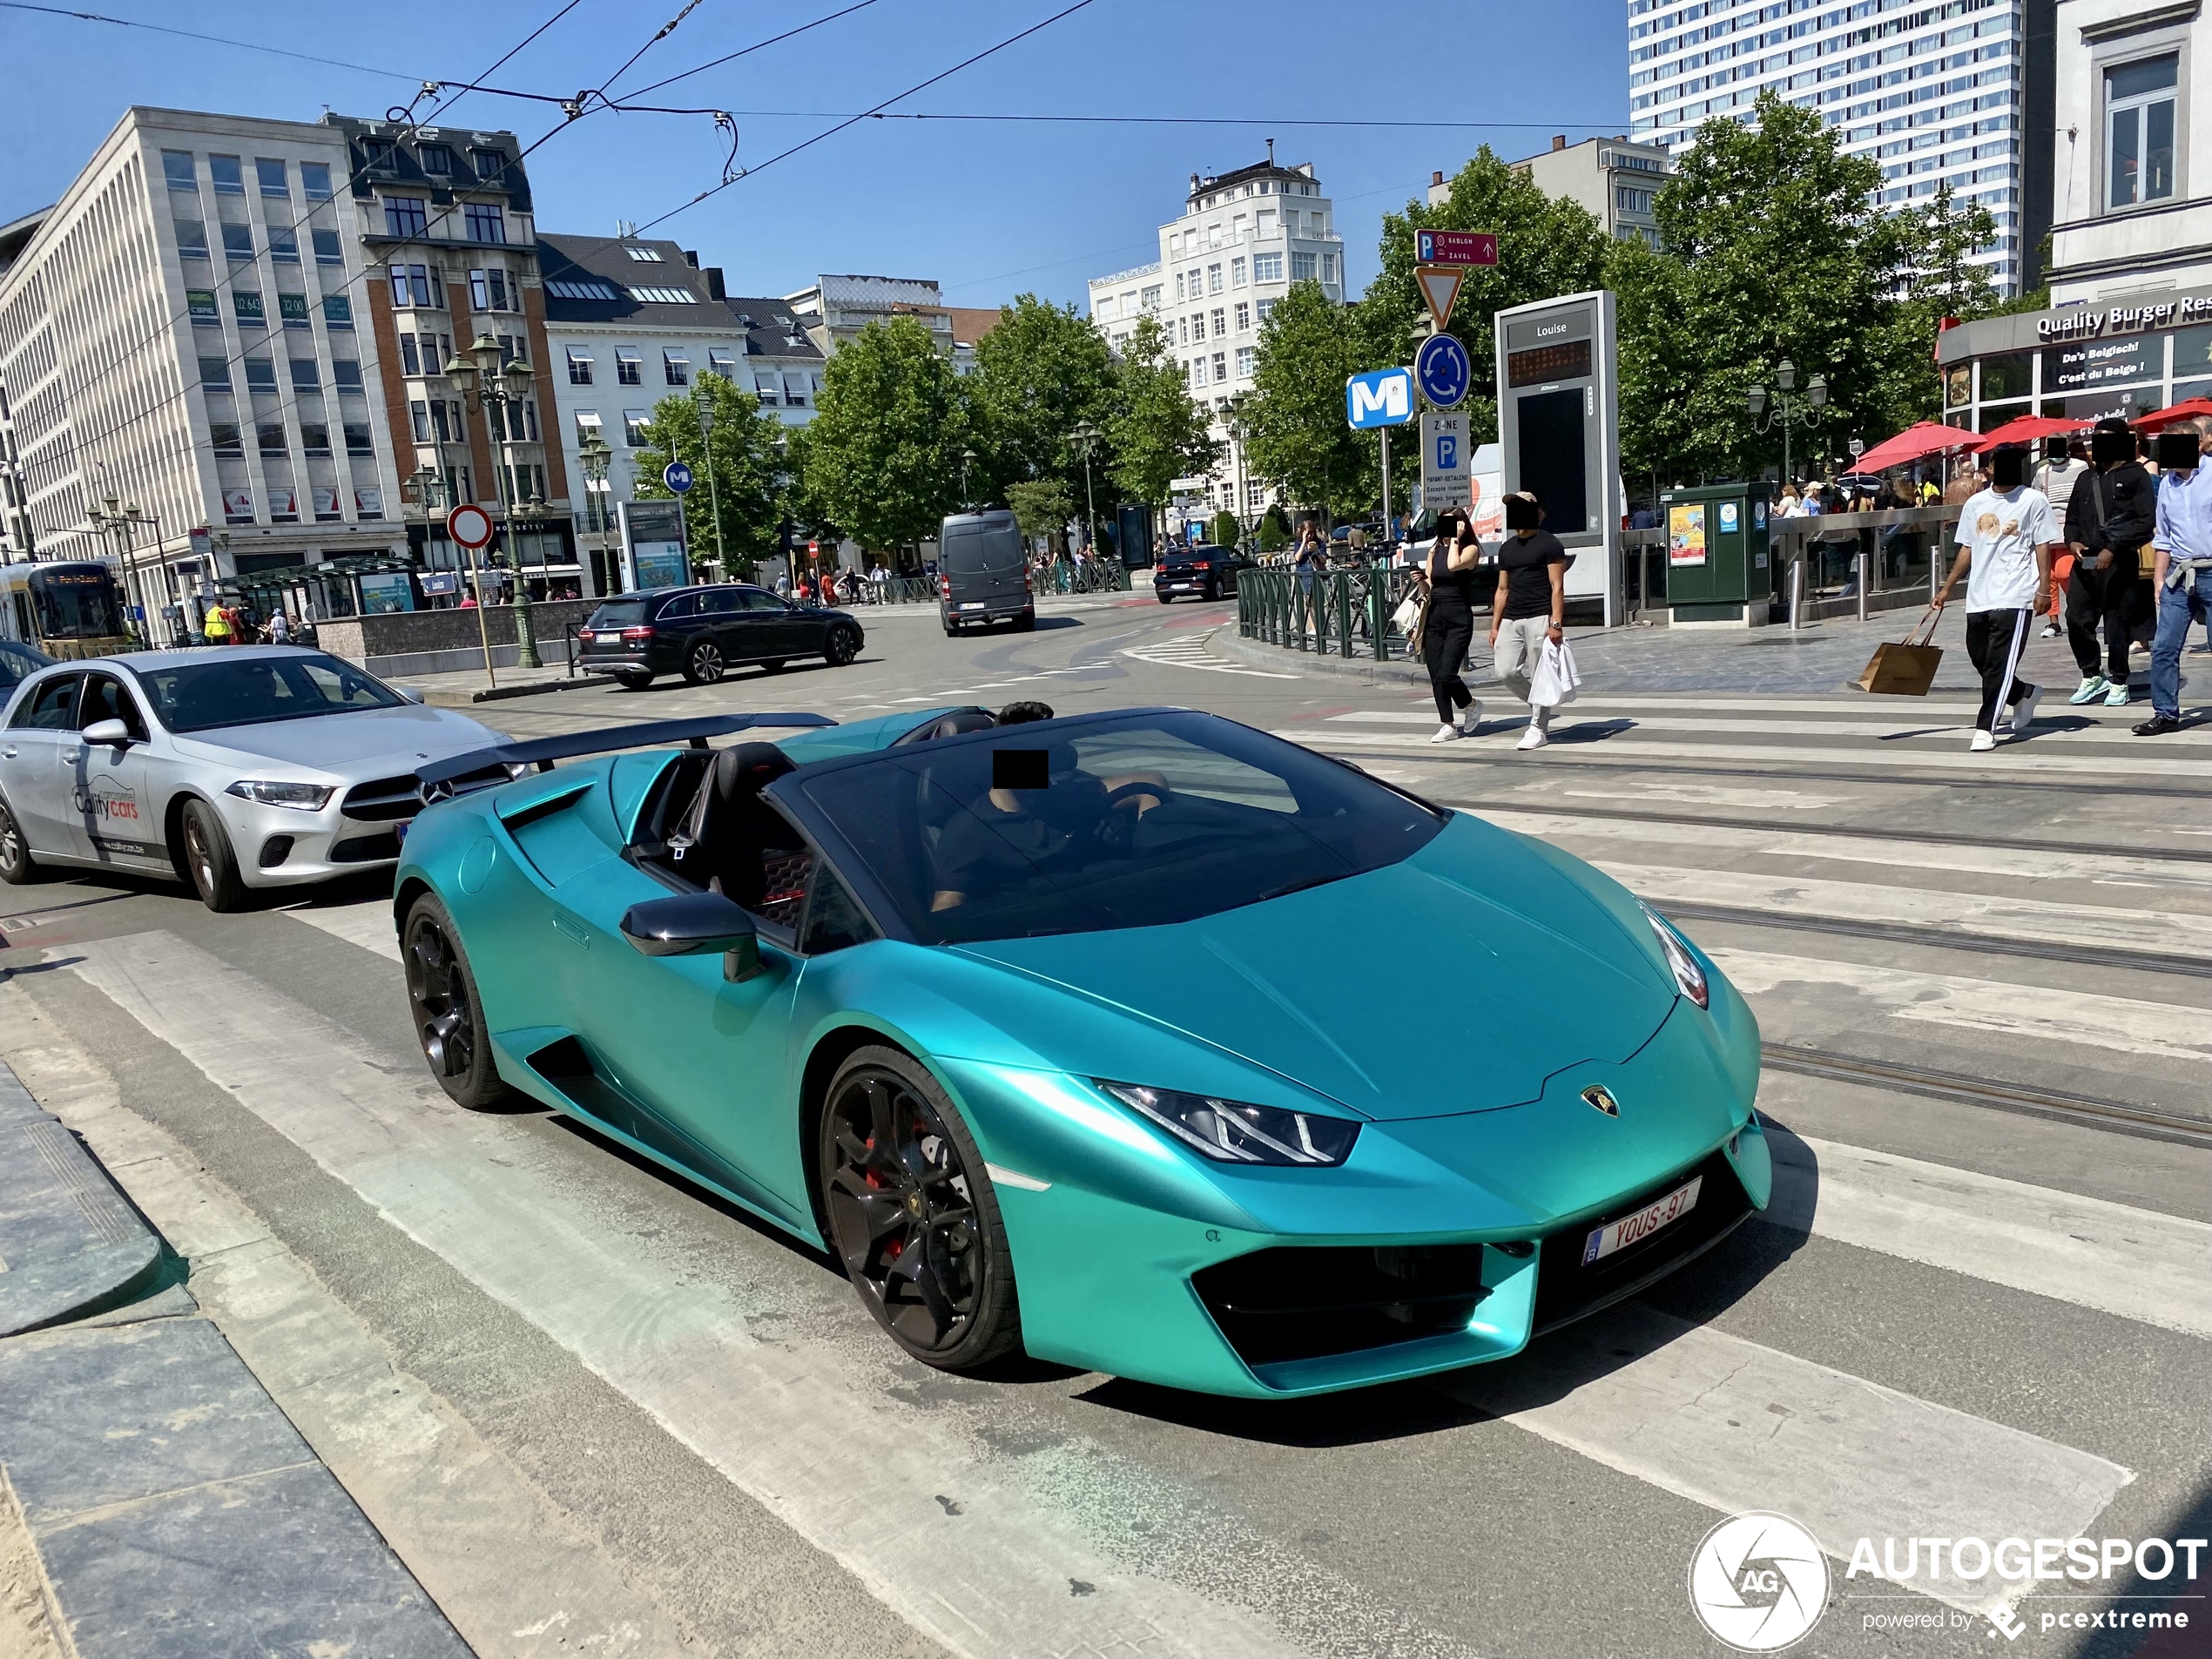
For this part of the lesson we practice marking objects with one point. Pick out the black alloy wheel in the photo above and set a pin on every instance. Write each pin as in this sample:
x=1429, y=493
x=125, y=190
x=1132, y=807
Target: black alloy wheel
x=15, y=865
x=209, y=862
x=912, y=1216
x=1213, y=590
x=704, y=664
x=442, y=995
x=840, y=647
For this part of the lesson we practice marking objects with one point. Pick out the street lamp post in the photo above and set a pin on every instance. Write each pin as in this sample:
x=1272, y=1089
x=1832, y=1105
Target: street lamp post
x=597, y=458
x=1786, y=411
x=117, y=522
x=1240, y=423
x=700, y=406
x=506, y=389
x=1086, y=438
x=967, y=458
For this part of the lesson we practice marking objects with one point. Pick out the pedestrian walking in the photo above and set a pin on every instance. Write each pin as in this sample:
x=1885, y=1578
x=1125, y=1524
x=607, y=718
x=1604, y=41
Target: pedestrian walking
x=1446, y=625
x=215, y=627
x=280, y=626
x=2061, y=469
x=1529, y=607
x=2007, y=541
x=2182, y=572
x=1792, y=505
x=2110, y=516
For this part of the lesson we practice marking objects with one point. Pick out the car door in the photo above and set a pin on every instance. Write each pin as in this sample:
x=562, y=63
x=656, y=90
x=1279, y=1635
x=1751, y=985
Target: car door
x=787, y=631
x=722, y=614
x=37, y=781
x=113, y=817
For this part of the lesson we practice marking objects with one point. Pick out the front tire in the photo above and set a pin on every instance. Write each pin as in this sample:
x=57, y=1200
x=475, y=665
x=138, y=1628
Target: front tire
x=704, y=665
x=911, y=1214
x=840, y=647
x=449, y=1018
x=16, y=866
x=210, y=862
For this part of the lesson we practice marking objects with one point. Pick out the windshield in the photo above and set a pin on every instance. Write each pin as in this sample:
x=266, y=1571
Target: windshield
x=619, y=613
x=76, y=602
x=201, y=695
x=1132, y=822
x=17, y=661
x=970, y=551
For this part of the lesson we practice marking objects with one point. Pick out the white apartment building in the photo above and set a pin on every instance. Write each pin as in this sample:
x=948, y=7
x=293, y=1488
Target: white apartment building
x=1243, y=238
x=1612, y=178
x=630, y=320
x=187, y=329
x=836, y=308
x=1956, y=91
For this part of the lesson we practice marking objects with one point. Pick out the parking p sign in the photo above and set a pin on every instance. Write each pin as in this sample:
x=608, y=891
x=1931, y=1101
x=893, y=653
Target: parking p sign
x=1445, y=473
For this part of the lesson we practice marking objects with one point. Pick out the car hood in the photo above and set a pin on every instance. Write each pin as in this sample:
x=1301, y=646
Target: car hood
x=1456, y=981
x=360, y=743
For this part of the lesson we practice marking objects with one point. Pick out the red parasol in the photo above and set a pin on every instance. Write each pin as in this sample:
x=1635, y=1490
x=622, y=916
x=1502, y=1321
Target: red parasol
x=2157, y=420
x=2026, y=428
x=1929, y=437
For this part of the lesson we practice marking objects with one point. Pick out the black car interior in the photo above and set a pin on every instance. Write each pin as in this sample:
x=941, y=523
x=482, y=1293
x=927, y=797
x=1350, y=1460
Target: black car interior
x=706, y=824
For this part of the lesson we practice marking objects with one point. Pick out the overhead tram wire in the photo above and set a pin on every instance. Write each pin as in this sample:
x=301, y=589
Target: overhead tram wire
x=1159, y=120
x=731, y=57
x=510, y=56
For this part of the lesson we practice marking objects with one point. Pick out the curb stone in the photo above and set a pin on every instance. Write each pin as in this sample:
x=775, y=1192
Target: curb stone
x=70, y=1245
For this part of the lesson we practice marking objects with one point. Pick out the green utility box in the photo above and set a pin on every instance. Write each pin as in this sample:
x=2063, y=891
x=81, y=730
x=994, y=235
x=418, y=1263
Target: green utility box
x=1717, y=562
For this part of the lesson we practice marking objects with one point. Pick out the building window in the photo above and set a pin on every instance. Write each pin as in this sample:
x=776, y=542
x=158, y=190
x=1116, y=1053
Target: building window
x=270, y=173
x=721, y=362
x=1237, y=272
x=1302, y=267
x=1197, y=371
x=268, y=436
x=315, y=438
x=1244, y=362
x=1265, y=309
x=1630, y=199
x=587, y=426
x=2139, y=132
x=192, y=239
x=238, y=241
x=676, y=369
x=223, y=437
x=488, y=291
x=1244, y=316
x=1150, y=298
x=489, y=163
x=410, y=357
x=419, y=415
x=292, y=309
x=358, y=443
x=378, y=153
x=485, y=222
x=766, y=387
x=247, y=307
x=329, y=249
x=229, y=180
x=1220, y=366
x=284, y=244
x=634, y=422
x=1178, y=285
x=579, y=366
x=795, y=392
x=1220, y=318
x=214, y=375
x=200, y=302
x=403, y=216
x=567, y=289
x=337, y=311
x=346, y=374
x=411, y=286
x=1213, y=279
x=435, y=159
x=450, y=427
x=314, y=180
x=644, y=255
x=664, y=296
x=1267, y=267
x=304, y=377
x=177, y=168
x=629, y=366
x=1329, y=269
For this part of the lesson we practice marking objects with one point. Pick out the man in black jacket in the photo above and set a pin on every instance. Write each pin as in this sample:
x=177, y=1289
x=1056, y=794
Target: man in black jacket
x=2109, y=516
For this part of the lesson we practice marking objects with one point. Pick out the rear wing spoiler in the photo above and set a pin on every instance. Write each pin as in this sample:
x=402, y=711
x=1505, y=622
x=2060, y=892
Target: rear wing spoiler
x=480, y=768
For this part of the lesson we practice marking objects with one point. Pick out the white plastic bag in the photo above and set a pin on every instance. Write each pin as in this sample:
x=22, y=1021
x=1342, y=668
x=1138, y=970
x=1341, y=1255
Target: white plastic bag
x=1407, y=616
x=1555, y=678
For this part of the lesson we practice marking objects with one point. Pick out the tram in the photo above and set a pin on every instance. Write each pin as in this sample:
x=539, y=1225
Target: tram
x=69, y=608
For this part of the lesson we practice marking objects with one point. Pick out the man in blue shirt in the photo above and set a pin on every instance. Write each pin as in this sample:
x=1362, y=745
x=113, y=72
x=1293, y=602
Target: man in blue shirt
x=2182, y=542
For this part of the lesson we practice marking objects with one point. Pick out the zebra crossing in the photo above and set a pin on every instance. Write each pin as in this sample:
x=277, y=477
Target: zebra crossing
x=1190, y=650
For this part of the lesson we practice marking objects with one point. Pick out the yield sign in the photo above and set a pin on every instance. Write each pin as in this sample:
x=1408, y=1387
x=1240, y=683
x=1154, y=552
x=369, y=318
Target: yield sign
x=1440, y=286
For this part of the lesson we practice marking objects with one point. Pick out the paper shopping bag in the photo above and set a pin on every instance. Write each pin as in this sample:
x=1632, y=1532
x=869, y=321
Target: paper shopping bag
x=1905, y=667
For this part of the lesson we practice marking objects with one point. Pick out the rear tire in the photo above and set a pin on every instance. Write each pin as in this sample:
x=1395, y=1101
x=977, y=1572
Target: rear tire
x=448, y=1019
x=209, y=862
x=840, y=647
x=1162, y=598
x=773, y=666
x=909, y=1211
x=704, y=665
x=16, y=866
x=1027, y=624
x=635, y=682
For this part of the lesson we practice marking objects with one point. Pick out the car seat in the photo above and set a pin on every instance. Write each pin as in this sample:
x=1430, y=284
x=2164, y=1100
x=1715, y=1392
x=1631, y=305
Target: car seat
x=732, y=842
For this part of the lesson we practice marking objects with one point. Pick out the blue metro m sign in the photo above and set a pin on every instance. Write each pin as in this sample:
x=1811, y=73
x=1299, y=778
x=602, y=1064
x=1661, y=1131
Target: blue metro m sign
x=1380, y=397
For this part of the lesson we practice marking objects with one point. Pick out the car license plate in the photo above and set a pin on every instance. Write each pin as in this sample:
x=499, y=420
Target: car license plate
x=1620, y=1234
x=1183, y=585
x=972, y=605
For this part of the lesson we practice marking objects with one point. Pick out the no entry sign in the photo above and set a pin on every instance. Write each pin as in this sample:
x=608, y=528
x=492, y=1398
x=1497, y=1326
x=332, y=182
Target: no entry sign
x=470, y=525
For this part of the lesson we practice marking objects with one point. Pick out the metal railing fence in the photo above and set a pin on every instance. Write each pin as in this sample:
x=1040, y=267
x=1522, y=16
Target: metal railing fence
x=1332, y=613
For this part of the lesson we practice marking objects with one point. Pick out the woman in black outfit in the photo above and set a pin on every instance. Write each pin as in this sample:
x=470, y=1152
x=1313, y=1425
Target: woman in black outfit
x=1449, y=625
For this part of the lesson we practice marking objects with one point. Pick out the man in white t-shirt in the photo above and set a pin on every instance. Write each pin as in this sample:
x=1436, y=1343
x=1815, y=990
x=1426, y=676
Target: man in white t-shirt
x=2008, y=538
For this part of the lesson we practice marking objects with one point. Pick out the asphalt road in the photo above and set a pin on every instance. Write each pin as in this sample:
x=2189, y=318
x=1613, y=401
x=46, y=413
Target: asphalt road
x=597, y=1411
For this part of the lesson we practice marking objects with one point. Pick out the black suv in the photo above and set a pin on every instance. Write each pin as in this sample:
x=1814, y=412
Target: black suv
x=702, y=633
x=1200, y=572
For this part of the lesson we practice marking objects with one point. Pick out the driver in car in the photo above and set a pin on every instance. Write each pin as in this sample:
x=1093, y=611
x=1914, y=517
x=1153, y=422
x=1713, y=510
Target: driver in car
x=1006, y=835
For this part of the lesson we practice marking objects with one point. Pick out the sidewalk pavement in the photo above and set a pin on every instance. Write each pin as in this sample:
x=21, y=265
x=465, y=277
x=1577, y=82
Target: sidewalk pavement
x=1825, y=657
x=173, y=1509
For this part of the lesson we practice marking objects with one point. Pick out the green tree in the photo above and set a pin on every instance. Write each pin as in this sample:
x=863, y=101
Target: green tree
x=1041, y=506
x=1042, y=372
x=882, y=458
x=1155, y=433
x=1546, y=247
x=1941, y=239
x=740, y=452
x=1297, y=436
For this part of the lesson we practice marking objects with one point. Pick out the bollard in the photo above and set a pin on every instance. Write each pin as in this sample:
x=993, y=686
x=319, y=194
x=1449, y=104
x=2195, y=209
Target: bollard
x=1861, y=583
x=1797, y=593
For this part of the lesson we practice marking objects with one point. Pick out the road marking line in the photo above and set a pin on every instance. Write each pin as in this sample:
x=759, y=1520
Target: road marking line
x=367, y=924
x=2084, y=1019
x=2137, y=1264
x=1736, y=1426
x=1627, y=747
x=846, y=1465
x=1847, y=705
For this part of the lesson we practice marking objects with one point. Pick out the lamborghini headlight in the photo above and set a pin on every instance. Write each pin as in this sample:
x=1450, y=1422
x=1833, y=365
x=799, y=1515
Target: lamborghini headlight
x=1689, y=976
x=1236, y=1133
x=308, y=798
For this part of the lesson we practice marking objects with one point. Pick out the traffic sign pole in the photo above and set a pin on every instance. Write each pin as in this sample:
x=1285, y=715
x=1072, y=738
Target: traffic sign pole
x=469, y=528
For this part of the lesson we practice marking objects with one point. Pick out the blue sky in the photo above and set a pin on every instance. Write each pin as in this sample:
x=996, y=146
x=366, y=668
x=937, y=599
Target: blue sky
x=990, y=210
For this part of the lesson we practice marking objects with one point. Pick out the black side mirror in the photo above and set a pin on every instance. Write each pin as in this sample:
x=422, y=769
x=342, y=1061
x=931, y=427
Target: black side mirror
x=692, y=924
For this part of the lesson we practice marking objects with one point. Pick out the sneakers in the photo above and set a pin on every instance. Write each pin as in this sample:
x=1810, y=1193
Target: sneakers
x=1470, y=717
x=2119, y=698
x=2051, y=630
x=2158, y=725
x=2024, y=710
x=2091, y=689
x=1446, y=733
x=1982, y=742
x=2136, y=648
x=1534, y=738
